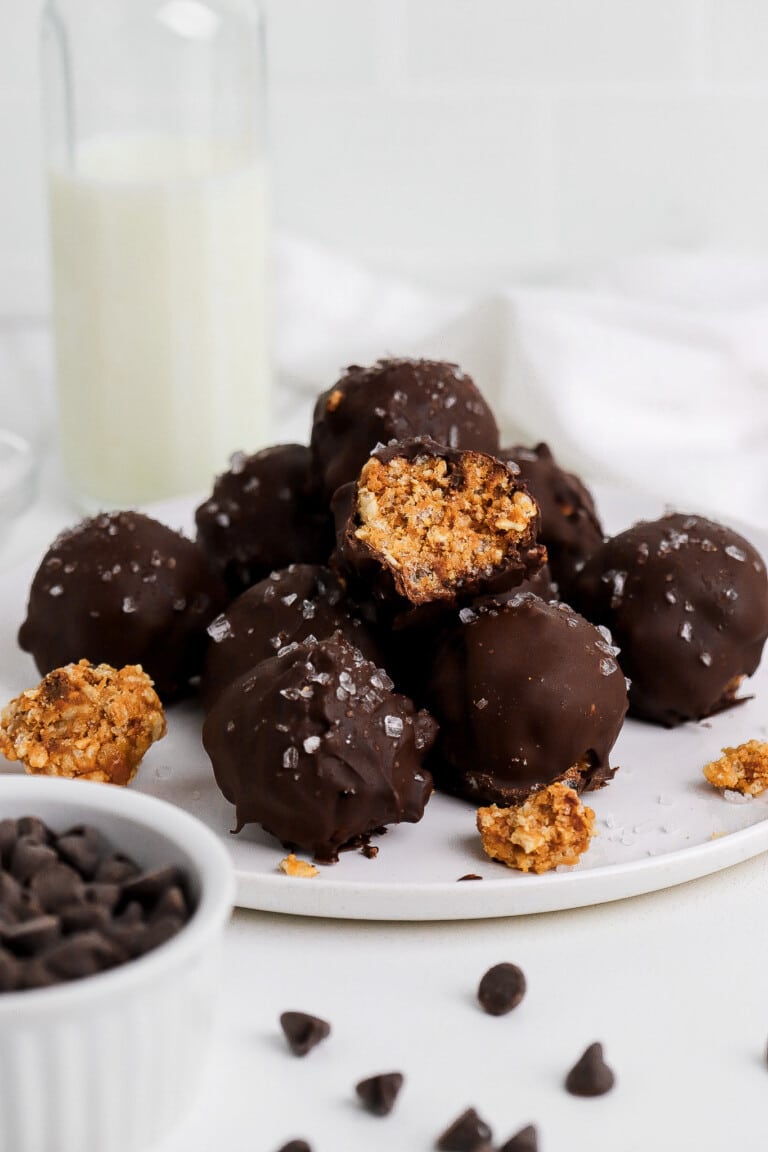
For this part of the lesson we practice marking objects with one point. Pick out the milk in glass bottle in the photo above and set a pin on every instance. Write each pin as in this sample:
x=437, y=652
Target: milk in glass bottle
x=158, y=208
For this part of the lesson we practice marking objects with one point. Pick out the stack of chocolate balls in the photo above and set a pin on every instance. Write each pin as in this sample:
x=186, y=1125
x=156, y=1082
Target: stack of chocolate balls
x=405, y=602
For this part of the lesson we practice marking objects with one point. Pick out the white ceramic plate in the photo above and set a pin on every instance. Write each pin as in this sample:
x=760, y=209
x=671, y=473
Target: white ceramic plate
x=659, y=822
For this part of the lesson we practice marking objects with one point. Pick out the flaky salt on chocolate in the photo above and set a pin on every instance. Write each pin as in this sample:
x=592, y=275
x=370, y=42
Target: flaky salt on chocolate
x=425, y=523
x=550, y=829
x=85, y=721
x=741, y=769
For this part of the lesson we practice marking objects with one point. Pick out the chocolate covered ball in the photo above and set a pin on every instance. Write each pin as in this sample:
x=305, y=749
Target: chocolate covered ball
x=264, y=514
x=288, y=606
x=315, y=747
x=427, y=524
x=570, y=525
x=396, y=400
x=121, y=588
x=686, y=599
x=525, y=694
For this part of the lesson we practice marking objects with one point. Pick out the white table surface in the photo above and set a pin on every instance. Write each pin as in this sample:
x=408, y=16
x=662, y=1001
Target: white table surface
x=674, y=984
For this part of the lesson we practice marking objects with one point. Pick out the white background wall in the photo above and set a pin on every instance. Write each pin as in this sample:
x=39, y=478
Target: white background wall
x=462, y=138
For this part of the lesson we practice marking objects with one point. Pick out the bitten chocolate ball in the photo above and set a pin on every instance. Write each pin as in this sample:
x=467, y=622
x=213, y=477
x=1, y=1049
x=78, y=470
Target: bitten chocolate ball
x=119, y=589
x=396, y=400
x=570, y=526
x=525, y=694
x=425, y=523
x=686, y=599
x=316, y=747
x=264, y=514
x=288, y=606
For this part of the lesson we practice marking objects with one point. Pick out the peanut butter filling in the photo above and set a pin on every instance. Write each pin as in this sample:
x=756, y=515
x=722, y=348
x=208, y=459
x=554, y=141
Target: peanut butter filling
x=437, y=524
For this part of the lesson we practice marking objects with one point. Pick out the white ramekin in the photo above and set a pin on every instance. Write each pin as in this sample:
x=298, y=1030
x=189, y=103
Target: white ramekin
x=110, y=1062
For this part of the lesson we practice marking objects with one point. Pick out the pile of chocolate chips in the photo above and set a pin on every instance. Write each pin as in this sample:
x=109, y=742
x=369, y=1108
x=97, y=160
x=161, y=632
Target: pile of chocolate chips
x=71, y=907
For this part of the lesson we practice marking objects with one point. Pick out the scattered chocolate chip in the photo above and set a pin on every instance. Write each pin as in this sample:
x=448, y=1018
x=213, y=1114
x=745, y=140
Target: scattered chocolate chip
x=378, y=1093
x=470, y=876
x=467, y=1133
x=295, y=1146
x=526, y=1140
x=501, y=989
x=590, y=1076
x=370, y=850
x=303, y=1032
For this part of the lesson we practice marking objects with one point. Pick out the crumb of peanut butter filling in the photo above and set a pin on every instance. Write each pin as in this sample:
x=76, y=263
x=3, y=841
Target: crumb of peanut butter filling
x=552, y=828
x=292, y=866
x=741, y=769
x=84, y=721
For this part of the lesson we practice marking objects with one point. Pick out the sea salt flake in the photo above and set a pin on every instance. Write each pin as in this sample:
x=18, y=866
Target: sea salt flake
x=287, y=649
x=291, y=757
x=129, y=604
x=608, y=666
x=237, y=463
x=467, y=615
x=481, y=703
x=56, y=590
x=706, y=659
x=230, y=725
x=685, y=631
x=219, y=629
x=393, y=726
x=382, y=681
x=732, y=797
x=311, y=744
x=670, y=597
x=308, y=610
x=290, y=693
x=288, y=600
x=735, y=552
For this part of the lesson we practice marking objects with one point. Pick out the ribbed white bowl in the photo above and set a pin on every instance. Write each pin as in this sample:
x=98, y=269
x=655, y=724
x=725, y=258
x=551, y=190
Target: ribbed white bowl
x=109, y=1063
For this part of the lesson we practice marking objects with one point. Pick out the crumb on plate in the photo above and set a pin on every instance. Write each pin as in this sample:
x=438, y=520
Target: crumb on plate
x=292, y=866
x=741, y=769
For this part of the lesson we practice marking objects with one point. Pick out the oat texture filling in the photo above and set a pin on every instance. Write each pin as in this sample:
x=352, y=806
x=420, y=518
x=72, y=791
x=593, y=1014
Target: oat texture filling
x=438, y=524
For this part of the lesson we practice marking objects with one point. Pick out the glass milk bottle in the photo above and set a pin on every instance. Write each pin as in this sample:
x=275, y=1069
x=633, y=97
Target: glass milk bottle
x=158, y=211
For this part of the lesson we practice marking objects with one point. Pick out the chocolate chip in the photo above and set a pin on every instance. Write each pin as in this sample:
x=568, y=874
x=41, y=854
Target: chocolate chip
x=303, y=1032
x=172, y=902
x=590, y=1076
x=35, y=975
x=29, y=856
x=159, y=931
x=378, y=1093
x=467, y=1133
x=8, y=837
x=106, y=894
x=470, y=876
x=82, y=955
x=147, y=887
x=81, y=847
x=526, y=1140
x=35, y=828
x=295, y=1146
x=83, y=917
x=501, y=989
x=55, y=886
x=10, y=897
x=116, y=869
x=9, y=971
x=30, y=936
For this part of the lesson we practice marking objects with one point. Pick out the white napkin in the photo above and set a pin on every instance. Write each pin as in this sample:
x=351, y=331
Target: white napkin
x=654, y=375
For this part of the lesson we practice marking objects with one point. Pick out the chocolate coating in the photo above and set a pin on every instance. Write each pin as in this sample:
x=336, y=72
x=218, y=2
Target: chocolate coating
x=264, y=514
x=570, y=525
x=523, y=693
x=447, y=578
x=118, y=589
x=314, y=746
x=396, y=400
x=686, y=600
x=289, y=605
